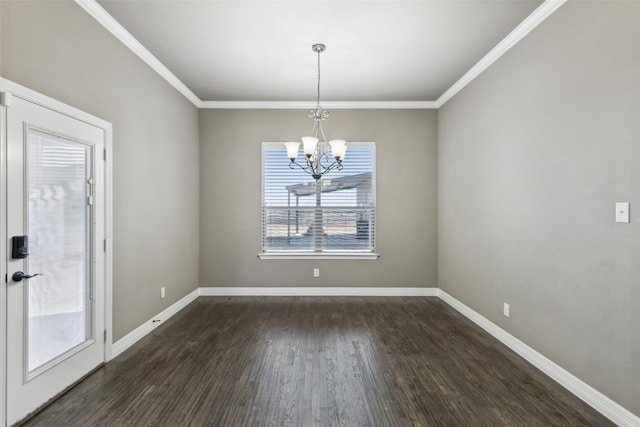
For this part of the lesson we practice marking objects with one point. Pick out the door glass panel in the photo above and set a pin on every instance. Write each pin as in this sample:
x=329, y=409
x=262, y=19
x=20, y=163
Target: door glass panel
x=59, y=230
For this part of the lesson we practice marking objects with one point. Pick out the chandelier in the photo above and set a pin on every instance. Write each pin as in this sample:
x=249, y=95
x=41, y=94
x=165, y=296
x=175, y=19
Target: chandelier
x=318, y=161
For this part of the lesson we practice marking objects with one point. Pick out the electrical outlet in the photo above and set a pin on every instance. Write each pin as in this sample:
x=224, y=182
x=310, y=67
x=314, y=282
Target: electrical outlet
x=316, y=272
x=162, y=292
x=505, y=310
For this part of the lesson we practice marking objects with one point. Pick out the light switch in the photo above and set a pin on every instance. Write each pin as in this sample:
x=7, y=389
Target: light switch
x=622, y=212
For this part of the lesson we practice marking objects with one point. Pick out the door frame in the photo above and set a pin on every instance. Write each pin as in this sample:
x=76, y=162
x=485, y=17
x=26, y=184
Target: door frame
x=9, y=89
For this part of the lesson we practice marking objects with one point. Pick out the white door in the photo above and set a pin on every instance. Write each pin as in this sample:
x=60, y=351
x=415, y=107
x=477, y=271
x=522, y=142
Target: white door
x=55, y=197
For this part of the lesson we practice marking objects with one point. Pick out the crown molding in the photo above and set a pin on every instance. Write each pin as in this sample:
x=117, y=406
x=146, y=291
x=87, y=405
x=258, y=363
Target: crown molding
x=532, y=21
x=106, y=20
x=336, y=105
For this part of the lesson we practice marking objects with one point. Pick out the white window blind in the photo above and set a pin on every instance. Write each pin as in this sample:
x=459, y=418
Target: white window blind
x=340, y=206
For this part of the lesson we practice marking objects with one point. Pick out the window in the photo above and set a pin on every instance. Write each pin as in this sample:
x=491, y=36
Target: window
x=333, y=217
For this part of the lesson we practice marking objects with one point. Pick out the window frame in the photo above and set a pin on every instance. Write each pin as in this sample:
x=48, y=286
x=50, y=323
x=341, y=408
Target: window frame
x=329, y=254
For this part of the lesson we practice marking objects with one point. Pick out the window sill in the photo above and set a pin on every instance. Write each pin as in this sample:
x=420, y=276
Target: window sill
x=313, y=255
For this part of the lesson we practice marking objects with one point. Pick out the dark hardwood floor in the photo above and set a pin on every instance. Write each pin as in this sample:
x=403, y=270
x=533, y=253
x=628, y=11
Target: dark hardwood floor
x=318, y=361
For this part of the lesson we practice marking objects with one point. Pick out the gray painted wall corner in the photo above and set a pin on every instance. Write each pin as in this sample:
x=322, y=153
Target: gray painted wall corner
x=533, y=155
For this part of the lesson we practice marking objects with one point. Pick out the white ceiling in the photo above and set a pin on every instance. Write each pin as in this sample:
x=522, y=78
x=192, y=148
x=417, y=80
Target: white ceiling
x=376, y=50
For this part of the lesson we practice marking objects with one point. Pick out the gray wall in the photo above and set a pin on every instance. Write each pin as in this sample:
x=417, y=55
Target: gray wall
x=532, y=157
x=57, y=49
x=230, y=173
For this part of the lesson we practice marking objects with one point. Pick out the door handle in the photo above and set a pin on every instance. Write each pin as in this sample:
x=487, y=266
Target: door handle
x=19, y=275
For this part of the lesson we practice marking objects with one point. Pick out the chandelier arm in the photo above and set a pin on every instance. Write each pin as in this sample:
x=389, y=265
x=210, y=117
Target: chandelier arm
x=334, y=165
x=312, y=168
x=325, y=156
x=316, y=168
x=304, y=168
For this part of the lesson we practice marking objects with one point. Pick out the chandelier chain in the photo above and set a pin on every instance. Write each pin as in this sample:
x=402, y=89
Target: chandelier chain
x=318, y=104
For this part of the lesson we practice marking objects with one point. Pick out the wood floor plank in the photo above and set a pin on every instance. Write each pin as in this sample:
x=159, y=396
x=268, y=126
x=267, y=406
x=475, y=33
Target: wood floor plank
x=318, y=361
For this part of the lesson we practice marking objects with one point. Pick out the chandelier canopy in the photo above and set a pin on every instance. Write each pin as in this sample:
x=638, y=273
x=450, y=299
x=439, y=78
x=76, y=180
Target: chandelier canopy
x=318, y=161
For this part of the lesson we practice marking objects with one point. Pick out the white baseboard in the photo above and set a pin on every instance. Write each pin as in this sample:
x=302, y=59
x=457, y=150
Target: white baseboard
x=141, y=331
x=584, y=391
x=318, y=291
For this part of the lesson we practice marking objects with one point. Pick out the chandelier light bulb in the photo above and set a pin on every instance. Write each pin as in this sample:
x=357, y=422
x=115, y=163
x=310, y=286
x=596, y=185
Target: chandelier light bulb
x=337, y=148
x=309, y=143
x=292, y=150
x=344, y=151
